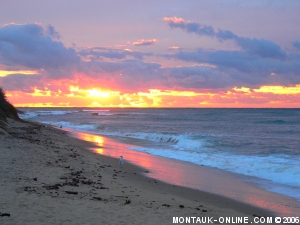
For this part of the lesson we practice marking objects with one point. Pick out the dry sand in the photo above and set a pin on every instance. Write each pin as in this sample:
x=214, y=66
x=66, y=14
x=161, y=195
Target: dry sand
x=47, y=177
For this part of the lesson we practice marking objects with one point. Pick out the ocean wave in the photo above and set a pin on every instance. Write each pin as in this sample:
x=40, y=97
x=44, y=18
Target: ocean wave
x=29, y=114
x=85, y=127
x=105, y=114
x=95, y=110
x=280, y=169
x=101, y=114
x=183, y=141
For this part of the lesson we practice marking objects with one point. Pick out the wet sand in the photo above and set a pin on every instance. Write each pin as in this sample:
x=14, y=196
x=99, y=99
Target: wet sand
x=202, y=178
x=48, y=177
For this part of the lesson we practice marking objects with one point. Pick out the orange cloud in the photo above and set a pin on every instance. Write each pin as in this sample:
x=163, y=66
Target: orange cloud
x=173, y=48
x=145, y=42
x=173, y=19
x=83, y=93
x=4, y=73
x=107, y=76
x=279, y=90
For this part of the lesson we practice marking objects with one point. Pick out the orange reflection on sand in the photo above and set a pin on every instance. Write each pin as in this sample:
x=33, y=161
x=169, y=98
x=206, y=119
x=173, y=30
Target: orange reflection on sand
x=99, y=151
x=98, y=140
x=160, y=168
x=193, y=176
x=262, y=203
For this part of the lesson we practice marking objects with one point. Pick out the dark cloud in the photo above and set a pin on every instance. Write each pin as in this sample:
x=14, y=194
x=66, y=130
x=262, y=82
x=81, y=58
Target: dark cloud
x=242, y=68
x=97, y=53
x=31, y=46
x=296, y=44
x=260, y=47
x=259, y=62
x=191, y=27
x=128, y=74
x=52, y=32
x=196, y=77
x=239, y=68
x=125, y=66
x=20, y=82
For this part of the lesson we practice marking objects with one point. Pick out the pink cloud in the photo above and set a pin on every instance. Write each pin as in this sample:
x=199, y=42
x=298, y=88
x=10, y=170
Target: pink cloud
x=145, y=42
x=173, y=20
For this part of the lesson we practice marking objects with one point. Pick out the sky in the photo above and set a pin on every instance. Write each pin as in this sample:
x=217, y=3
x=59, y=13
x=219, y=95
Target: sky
x=130, y=53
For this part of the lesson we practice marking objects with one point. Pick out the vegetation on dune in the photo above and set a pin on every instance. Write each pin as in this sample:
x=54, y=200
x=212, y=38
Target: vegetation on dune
x=7, y=110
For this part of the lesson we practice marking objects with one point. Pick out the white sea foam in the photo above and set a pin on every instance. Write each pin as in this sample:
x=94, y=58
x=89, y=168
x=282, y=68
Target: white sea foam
x=76, y=126
x=280, y=169
x=105, y=114
x=56, y=112
x=183, y=142
x=28, y=115
x=275, y=171
x=156, y=137
x=184, y=148
x=95, y=110
x=32, y=114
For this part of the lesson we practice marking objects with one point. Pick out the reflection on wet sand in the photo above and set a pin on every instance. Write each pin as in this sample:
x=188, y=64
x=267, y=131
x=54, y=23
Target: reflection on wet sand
x=193, y=176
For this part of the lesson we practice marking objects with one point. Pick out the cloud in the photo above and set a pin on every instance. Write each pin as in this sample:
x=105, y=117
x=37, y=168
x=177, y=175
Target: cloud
x=173, y=48
x=129, y=74
x=260, y=47
x=239, y=68
x=190, y=27
x=33, y=47
x=195, y=77
x=145, y=42
x=96, y=53
x=52, y=32
x=20, y=82
x=296, y=44
x=259, y=62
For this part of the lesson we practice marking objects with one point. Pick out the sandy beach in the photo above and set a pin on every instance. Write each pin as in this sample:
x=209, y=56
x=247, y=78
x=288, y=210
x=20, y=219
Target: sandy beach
x=48, y=177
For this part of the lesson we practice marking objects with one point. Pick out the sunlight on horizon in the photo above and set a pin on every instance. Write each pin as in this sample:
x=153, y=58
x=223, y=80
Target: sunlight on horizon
x=238, y=97
x=4, y=73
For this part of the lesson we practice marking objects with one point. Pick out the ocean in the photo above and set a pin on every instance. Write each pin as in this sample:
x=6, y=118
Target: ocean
x=263, y=145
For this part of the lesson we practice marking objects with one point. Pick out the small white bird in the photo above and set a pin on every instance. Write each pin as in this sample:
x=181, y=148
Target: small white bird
x=121, y=161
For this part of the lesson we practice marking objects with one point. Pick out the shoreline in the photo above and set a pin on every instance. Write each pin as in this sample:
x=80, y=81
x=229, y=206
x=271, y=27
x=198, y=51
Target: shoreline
x=199, y=178
x=48, y=177
x=147, y=174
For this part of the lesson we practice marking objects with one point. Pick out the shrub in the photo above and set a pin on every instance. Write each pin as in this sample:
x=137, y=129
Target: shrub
x=7, y=109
